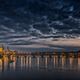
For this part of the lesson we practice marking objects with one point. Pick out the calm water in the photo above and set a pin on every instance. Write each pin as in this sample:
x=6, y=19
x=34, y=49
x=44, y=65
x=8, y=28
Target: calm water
x=37, y=68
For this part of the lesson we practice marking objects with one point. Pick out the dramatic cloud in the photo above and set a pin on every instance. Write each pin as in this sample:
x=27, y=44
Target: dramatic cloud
x=26, y=22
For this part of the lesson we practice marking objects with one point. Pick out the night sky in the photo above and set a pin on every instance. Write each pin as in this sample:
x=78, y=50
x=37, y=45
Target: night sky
x=24, y=22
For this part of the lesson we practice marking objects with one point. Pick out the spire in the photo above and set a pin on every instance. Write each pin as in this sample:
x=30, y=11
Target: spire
x=2, y=47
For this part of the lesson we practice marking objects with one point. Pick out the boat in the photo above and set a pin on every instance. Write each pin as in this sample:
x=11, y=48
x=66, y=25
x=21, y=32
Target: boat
x=11, y=61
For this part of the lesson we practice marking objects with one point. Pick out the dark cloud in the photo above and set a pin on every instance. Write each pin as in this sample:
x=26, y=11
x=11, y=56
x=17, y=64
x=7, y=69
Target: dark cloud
x=39, y=18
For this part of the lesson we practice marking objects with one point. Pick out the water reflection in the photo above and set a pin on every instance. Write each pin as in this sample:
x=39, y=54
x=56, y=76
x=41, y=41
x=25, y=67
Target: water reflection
x=29, y=62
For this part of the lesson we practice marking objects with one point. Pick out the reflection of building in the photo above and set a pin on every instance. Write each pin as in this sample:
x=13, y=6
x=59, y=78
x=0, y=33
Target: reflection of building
x=38, y=60
x=63, y=61
x=46, y=60
x=0, y=65
x=79, y=62
x=71, y=61
x=55, y=60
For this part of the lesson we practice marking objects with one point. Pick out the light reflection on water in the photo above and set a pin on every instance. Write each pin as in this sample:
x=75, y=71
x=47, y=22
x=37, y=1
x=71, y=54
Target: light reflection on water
x=39, y=68
x=38, y=63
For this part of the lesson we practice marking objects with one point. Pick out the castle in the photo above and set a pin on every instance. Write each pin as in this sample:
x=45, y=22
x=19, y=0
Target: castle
x=6, y=51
